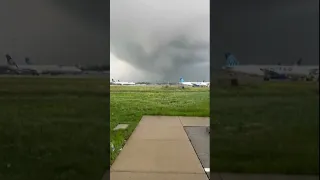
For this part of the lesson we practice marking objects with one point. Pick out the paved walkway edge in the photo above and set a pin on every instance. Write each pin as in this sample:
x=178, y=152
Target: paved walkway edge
x=158, y=149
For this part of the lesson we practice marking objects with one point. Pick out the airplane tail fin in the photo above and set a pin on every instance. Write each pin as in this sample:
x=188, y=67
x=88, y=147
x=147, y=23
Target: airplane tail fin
x=10, y=61
x=28, y=61
x=231, y=60
x=181, y=79
x=299, y=62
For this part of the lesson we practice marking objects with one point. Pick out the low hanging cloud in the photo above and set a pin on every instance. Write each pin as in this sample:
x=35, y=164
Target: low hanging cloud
x=123, y=71
x=162, y=39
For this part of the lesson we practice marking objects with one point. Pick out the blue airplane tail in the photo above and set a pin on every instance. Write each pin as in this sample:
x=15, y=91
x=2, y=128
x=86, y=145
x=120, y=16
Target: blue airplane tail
x=231, y=60
x=181, y=79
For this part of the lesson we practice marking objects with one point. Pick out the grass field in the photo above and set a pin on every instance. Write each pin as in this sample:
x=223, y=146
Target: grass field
x=129, y=103
x=264, y=128
x=53, y=128
x=271, y=128
x=58, y=128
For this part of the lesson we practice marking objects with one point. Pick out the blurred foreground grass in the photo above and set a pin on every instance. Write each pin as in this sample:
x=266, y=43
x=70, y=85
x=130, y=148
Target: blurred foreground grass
x=57, y=128
x=270, y=128
x=53, y=128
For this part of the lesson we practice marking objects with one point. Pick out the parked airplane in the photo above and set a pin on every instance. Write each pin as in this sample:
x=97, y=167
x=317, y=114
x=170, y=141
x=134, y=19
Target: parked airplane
x=194, y=84
x=113, y=82
x=62, y=70
x=271, y=71
x=40, y=69
x=12, y=66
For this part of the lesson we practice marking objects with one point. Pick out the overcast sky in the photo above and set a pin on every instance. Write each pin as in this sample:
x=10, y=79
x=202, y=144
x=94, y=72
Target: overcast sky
x=169, y=39
x=265, y=32
x=160, y=40
x=55, y=31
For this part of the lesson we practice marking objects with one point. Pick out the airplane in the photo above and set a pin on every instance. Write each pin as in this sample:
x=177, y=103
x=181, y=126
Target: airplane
x=113, y=82
x=61, y=70
x=297, y=71
x=194, y=84
x=40, y=69
x=271, y=71
x=68, y=70
x=18, y=70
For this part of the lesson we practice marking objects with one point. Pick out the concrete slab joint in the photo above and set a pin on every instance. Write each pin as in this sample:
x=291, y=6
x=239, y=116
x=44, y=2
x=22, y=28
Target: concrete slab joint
x=159, y=148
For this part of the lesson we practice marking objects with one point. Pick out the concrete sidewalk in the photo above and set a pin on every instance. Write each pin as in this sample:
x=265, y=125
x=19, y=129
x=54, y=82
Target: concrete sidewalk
x=159, y=149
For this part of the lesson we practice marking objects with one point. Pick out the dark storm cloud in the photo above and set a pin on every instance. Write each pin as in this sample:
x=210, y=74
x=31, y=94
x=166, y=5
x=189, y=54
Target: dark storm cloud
x=171, y=47
x=167, y=38
x=51, y=32
x=168, y=59
x=94, y=13
x=265, y=32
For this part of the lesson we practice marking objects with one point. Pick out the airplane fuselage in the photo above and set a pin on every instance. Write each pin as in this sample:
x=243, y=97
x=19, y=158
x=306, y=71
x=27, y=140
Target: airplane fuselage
x=195, y=83
x=46, y=69
x=301, y=71
x=122, y=83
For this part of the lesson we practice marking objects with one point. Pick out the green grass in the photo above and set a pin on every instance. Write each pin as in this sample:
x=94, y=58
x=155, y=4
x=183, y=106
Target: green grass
x=57, y=128
x=53, y=128
x=272, y=128
x=129, y=104
x=263, y=128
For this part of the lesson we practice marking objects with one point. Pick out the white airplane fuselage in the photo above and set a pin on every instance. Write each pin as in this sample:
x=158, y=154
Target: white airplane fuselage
x=195, y=83
x=122, y=83
x=46, y=69
x=40, y=69
x=296, y=71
